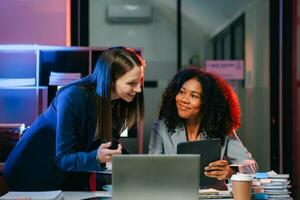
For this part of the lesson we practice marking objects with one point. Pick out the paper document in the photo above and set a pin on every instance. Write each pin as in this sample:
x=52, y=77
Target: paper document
x=47, y=195
x=15, y=82
x=213, y=193
x=60, y=78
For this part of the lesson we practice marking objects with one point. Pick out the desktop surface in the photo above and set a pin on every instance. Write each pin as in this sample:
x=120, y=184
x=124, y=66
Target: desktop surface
x=68, y=195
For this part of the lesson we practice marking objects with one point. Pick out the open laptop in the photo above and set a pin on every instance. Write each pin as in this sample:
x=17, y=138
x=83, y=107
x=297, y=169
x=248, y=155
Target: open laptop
x=148, y=177
x=210, y=150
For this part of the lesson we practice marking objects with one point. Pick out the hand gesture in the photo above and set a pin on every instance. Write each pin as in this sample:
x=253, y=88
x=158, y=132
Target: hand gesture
x=105, y=154
x=219, y=170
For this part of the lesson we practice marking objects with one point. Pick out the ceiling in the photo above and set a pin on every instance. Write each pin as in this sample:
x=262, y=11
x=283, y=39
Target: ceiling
x=201, y=19
x=210, y=16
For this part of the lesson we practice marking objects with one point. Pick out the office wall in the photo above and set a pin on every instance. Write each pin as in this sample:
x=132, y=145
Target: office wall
x=255, y=97
x=194, y=34
x=33, y=22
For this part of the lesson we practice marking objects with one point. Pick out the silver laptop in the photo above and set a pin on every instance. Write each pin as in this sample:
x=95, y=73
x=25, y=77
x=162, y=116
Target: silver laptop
x=159, y=177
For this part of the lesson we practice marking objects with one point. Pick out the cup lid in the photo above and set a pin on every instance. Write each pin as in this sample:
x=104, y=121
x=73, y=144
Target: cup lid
x=241, y=177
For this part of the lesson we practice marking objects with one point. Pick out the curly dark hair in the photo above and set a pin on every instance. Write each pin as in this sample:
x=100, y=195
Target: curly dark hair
x=220, y=108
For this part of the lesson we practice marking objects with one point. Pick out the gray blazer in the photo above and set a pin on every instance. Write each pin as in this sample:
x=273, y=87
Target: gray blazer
x=163, y=142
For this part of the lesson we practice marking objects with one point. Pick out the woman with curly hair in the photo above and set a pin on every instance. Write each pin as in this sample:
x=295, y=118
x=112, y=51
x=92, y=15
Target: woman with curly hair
x=198, y=105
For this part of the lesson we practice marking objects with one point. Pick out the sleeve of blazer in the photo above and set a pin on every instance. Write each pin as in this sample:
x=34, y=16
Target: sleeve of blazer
x=156, y=141
x=238, y=155
x=71, y=106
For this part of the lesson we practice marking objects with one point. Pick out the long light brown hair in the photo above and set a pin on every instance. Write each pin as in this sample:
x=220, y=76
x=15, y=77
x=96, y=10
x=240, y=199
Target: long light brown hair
x=111, y=65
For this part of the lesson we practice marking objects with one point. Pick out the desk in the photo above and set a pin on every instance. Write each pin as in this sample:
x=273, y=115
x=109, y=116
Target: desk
x=78, y=195
x=82, y=195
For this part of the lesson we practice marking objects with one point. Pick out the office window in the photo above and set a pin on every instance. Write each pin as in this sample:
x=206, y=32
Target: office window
x=238, y=32
x=229, y=43
x=218, y=53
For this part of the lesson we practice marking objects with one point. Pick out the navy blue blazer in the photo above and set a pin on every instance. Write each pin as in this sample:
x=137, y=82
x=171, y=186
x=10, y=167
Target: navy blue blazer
x=56, y=146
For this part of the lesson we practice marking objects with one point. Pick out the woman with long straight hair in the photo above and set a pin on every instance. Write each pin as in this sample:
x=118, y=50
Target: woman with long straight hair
x=74, y=135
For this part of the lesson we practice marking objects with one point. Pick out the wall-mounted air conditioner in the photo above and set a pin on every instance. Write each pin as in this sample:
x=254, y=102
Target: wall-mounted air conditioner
x=129, y=13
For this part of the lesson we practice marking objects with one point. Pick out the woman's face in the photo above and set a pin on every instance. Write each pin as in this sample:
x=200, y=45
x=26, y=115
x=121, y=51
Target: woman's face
x=128, y=85
x=188, y=100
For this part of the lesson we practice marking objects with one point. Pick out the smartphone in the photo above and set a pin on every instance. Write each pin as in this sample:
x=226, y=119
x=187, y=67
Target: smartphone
x=114, y=144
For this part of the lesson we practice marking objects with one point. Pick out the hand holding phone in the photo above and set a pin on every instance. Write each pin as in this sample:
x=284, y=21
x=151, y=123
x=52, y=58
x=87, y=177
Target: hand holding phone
x=105, y=151
x=114, y=144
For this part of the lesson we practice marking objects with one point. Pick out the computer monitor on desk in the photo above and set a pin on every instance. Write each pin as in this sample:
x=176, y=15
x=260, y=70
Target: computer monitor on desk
x=151, y=177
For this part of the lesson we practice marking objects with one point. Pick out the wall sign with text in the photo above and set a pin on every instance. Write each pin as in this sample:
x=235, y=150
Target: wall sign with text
x=227, y=69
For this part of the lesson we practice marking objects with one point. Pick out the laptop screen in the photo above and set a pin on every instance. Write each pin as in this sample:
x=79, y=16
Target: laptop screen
x=151, y=177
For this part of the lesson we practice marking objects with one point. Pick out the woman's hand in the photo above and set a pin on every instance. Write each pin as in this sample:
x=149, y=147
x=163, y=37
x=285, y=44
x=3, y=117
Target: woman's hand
x=219, y=170
x=105, y=154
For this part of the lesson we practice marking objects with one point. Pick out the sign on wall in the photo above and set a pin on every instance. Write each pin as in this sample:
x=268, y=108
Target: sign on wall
x=227, y=69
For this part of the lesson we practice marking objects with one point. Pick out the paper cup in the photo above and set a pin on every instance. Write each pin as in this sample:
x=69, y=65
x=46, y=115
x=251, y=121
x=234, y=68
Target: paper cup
x=241, y=186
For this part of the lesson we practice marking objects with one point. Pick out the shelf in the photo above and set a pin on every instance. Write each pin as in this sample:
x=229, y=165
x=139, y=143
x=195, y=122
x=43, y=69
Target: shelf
x=24, y=103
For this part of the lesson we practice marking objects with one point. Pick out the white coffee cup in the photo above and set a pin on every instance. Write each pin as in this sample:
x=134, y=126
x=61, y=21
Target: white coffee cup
x=241, y=186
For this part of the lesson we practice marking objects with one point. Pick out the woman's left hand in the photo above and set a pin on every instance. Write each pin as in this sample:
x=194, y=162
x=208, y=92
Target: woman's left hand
x=219, y=170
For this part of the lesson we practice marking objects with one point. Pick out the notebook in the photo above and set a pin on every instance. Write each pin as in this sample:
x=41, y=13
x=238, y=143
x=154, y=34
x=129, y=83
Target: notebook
x=210, y=150
x=148, y=177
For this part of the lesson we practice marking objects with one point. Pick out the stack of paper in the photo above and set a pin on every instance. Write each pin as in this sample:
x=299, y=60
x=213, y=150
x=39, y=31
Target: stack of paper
x=9, y=136
x=59, y=79
x=214, y=194
x=270, y=185
x=46, y=195
x=16, y=82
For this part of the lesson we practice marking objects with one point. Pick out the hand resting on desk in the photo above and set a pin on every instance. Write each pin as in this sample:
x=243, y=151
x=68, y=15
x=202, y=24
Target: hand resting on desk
x=105, y=154
x=219, y=169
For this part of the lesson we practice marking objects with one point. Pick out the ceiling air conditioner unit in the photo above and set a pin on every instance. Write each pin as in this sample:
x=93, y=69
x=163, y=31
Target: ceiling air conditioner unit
x=129, y=13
